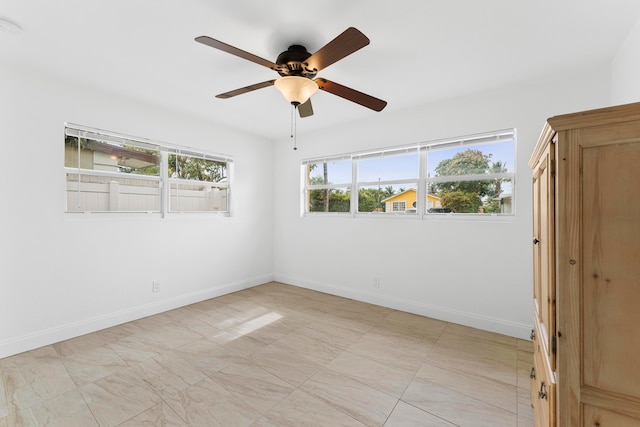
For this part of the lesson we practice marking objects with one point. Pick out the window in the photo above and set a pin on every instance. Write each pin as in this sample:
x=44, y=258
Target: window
x=196, y=183
x=106, y=172
x=398, y=206
x=387, y=180
x=472, y=175
x=328, y=185
x=467, y=175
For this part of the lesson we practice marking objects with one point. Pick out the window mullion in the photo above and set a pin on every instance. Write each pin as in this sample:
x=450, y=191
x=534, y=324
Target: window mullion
x=164, y=183
x=354, y=187
x=422, y=183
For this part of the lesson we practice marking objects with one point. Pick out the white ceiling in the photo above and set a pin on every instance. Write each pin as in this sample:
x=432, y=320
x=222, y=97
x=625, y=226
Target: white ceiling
x=421, y=51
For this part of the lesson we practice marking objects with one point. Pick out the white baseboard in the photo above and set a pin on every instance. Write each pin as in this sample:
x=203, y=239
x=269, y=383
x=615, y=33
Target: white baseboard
x=71, y=330
x=513, y=329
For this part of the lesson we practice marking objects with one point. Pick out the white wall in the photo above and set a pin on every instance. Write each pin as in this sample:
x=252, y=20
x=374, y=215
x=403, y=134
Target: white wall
x=469, y=272
x=625, y=87
x=62, y=277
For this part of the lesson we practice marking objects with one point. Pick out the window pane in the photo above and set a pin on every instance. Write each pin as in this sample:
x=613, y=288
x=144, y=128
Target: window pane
x=329, y=200
x=337, y=172
x=196, y=168
x=111, y=157
x=495, y=157
x=387, y=168
x=485, y=196
x=388, y=198
x=197, y=197
x=113, y=177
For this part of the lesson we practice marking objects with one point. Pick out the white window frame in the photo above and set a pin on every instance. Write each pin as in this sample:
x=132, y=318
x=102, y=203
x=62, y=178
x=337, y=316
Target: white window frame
x=307, y=187
x=163, y=179
x=421, y=183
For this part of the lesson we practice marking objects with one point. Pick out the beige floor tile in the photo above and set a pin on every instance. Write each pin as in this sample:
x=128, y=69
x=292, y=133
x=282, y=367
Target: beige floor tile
x=239, y=344
x=391, y=380
x=391, y=350
x=168, y=373
x=479, y=387
x=273, y=355
x=456, y=407
x=208, y=404
x=174, y=335
x=159, y=415
x=90, y=365
x=411, y=326
x=465, y=361
x=331, y=333
x=4, y=406
x=479, y=344
x=117, y=398
x=405, y=415
x=525, y=411
x=255, y=386
x=32, y=380
x=79, y=344
x=525, y=345
x=285, y=364
x=266, y=327
x=120, y=331
x=153, y=323
x=524, y=373
x=207, y=356
x=137, y=348
x=302, y=409
x=365, y=404
x=312, y=349
x=65, y=410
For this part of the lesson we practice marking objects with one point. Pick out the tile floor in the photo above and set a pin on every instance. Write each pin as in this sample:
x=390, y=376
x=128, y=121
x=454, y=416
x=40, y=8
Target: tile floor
x=273, y=355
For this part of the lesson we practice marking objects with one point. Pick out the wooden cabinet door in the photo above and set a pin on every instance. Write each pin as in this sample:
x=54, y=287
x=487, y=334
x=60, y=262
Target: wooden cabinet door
x=611, y=267
x=544, y=293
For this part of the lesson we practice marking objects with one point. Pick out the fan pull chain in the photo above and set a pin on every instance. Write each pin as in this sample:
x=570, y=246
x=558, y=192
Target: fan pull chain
x=294, y=130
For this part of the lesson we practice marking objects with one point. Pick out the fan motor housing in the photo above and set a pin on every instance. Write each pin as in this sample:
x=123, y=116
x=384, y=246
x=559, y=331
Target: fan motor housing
x=291, y=62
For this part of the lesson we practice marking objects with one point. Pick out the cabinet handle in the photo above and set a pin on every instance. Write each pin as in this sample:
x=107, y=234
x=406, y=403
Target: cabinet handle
x=542, y=394
x=535, y=241
x=532, y=375
x=533, y=334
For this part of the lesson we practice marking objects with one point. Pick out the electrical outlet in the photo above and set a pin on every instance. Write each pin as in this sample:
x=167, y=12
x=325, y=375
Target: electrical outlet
x=156, y=287
x=376, y=282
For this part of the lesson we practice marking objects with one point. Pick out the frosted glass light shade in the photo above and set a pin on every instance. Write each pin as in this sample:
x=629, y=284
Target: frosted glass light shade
x=295, y=89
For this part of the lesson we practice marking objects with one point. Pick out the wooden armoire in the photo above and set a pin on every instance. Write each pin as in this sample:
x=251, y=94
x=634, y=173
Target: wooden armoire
x=586, y=253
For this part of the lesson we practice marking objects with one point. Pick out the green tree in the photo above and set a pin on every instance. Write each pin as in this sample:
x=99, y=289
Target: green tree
x=469, y=196
x=368, y=199
x=461, y=201
x=187, y=167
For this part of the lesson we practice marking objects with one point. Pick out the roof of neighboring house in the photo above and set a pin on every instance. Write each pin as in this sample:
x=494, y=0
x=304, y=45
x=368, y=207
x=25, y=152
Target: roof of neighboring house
x=411, y=190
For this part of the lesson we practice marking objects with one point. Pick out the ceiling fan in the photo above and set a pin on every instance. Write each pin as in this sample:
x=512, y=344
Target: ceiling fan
x=298, y=69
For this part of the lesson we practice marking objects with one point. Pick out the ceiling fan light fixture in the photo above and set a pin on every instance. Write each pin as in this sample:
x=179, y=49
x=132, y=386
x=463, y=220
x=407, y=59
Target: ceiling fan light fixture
x=295, y=89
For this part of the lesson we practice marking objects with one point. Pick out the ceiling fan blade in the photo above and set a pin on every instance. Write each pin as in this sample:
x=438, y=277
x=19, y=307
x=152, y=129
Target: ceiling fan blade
x=217, y=44
x=351, y=94
x=245, y=89
x=305, y=109
x=343, y=45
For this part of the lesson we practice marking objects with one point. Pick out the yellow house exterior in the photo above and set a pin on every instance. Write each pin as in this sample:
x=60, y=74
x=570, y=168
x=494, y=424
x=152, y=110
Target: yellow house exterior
x=406, y=201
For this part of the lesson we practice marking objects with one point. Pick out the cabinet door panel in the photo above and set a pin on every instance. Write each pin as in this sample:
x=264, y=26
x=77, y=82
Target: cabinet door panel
x=594, y=416
x=543, y=249
x=611, y=267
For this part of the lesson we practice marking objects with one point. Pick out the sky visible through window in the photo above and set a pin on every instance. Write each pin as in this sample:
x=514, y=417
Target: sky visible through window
x=405, y=166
